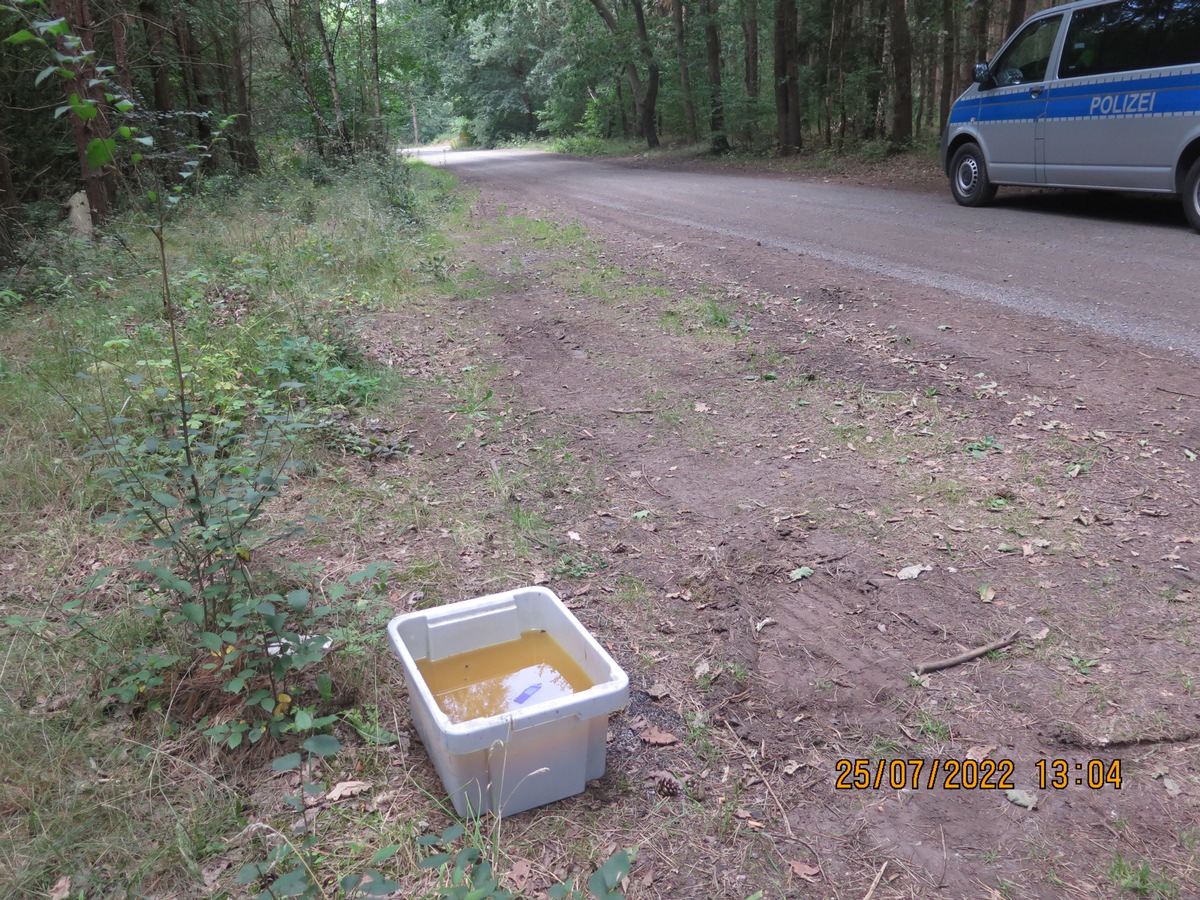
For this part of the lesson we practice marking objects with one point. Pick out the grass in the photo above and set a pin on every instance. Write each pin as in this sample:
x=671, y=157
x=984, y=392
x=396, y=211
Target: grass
x=1138, y=878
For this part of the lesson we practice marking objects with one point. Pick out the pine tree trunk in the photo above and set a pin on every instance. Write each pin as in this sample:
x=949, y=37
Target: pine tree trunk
x=787, y=78
x=902, y=100
x=1016, y=15
x=712, y=43
x=156, y=43
x=750, y=61
x=245, y=153
x=685, y=82
x=948, y=68
x=98, y=182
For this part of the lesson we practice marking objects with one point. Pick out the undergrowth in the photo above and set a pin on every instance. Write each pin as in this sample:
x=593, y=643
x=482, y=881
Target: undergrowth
x=170, y=391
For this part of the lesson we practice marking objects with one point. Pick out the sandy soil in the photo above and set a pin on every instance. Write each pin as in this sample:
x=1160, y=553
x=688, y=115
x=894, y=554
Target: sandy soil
x=788, y=457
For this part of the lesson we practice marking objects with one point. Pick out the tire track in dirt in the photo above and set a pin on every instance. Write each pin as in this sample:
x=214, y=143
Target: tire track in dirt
x=749, y=489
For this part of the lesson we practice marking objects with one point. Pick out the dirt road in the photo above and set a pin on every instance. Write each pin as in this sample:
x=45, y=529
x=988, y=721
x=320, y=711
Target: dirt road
x=833, y=444
x=1128, y=266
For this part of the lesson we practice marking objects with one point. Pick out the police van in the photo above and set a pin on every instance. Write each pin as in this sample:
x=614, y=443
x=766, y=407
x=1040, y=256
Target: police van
x=1090, y=94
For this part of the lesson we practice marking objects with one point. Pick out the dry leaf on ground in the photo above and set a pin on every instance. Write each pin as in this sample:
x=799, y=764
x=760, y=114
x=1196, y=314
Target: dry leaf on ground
x=344, y=789
x=519, y=873
x=910, y=572
x=803, y=870
x=656, y=736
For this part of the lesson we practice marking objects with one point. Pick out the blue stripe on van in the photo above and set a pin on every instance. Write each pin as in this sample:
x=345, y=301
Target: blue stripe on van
x=1167, y=94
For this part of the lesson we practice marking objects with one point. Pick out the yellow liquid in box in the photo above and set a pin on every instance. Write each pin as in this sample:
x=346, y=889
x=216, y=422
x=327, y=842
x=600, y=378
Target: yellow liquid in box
x=504, y=677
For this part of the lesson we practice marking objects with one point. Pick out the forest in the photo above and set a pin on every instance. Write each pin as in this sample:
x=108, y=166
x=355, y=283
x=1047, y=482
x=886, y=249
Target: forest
x=158, y=79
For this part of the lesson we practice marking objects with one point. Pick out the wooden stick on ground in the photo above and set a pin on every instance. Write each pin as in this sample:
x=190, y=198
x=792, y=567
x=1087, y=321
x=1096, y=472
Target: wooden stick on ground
x=939, y=664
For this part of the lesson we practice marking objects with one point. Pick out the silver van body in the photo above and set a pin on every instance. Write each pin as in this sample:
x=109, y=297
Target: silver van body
x=1099, y=94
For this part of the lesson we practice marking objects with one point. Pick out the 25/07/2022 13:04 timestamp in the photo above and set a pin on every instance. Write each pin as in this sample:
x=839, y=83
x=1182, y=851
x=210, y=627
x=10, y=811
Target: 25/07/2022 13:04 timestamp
x=971, y=775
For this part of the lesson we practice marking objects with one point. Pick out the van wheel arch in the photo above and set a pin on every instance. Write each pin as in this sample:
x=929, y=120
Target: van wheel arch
x=969, y=181
x=1190, y=194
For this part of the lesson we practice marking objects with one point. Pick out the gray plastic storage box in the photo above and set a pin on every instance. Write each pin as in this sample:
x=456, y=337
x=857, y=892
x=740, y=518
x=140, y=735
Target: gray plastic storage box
x=514, y=761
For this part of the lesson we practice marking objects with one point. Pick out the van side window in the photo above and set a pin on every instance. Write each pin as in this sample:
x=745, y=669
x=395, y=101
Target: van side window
x=1133, y=34
x=1026, y=59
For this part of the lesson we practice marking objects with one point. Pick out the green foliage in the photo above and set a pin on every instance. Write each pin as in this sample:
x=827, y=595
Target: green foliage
x=295, y=868
x=468, y=875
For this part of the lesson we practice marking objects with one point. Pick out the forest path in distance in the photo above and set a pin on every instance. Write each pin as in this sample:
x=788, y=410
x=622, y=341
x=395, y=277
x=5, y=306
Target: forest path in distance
x=1125, y=265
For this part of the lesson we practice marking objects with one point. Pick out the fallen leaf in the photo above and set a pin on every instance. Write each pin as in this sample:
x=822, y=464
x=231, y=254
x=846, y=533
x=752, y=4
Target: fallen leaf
x=1183, y=539
x=980, y=752
x=759, y=626
x=791, y=767
x=656, y=736
x=658, y=691
x=348, y=789
x=519, y=873
x=742, y=813
x=987, y=593
x=574, y=535
x=910, y=572
x=1022, y=798
x=540, y=577
x=809, y=873
x=701, y=407
x=1041, y=634
x=1172, y=786
x=802, y=572
x=61, y=889
x=702, y=669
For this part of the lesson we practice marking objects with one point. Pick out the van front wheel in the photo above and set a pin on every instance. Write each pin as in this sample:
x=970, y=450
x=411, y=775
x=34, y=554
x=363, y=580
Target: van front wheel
x=969, y=182
x=1191, y=195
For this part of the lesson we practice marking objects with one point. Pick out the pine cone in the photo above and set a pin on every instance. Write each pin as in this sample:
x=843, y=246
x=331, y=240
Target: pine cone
x=666, y=783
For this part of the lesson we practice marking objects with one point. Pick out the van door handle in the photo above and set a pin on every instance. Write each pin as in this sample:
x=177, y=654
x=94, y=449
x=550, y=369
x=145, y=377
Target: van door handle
x=1036, y=92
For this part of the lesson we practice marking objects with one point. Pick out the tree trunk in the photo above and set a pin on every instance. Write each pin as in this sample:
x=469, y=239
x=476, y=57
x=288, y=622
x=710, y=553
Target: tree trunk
x=621, y=107
x=292, y=38
x=750, y=60
x=685, y=82
x=98, y=181
x=192, y=63
x=245, y=154
x=376, y=93
x=343, y=145
x=977, y=38
x=1016, y=15
x=644, y=97
x=156, y=42
x=650, y=98
x=120, y=33
x=948, y=68
x=712, y=42
x=787, y=78
x=10, y=209
x=412, y=102
x=875, y=68
x=902, y=103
